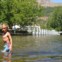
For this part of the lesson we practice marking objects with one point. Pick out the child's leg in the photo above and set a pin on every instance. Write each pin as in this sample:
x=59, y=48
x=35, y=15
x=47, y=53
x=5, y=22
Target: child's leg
x=9, y=57
x=4, y=58
x=2, y=55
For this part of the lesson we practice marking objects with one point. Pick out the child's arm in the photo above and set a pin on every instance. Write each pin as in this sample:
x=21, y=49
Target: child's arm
x=10, y=38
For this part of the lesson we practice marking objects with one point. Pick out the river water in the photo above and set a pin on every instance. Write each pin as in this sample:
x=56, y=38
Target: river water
x=37, y=49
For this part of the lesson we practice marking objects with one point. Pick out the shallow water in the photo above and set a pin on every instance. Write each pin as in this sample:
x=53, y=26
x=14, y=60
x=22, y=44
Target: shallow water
x=37, y=49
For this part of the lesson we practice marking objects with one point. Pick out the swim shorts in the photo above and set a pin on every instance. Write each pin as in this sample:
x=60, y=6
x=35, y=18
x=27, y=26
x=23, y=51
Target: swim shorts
x=6, y=50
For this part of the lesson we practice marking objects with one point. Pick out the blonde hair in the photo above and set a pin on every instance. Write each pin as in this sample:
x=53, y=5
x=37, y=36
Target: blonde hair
x=5, y=25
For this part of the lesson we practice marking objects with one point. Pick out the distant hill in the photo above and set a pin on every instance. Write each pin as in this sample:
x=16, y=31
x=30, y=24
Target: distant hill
x=49, y=7
x=48, y=3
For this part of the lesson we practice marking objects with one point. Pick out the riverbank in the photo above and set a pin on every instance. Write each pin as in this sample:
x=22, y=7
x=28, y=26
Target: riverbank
x=25, y=32
x=16, y=32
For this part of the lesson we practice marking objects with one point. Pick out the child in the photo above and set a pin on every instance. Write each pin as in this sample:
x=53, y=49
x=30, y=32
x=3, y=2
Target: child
x=7, y=39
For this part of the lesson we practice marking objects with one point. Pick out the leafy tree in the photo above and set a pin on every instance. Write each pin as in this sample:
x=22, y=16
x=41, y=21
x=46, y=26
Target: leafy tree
x=55, y=20
x=22, y=12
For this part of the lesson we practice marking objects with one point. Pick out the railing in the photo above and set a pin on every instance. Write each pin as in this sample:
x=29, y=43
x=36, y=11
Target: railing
x=36, y=30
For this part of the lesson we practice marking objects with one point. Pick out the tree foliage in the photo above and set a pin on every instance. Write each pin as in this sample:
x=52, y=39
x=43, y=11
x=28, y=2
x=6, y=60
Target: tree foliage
x=22, y=12
x=55, y=20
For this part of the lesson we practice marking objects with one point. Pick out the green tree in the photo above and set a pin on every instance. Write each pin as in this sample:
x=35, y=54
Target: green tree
x=22, y=12
x=55, y=20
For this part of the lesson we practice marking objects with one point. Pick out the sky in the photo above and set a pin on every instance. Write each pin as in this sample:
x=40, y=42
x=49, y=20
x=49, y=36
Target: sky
x=57, y=1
